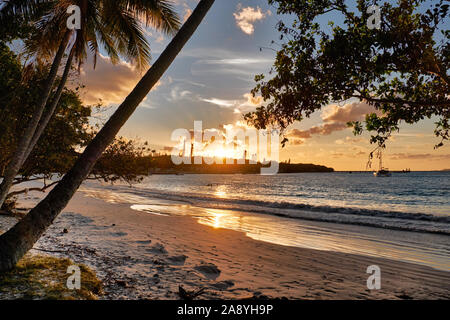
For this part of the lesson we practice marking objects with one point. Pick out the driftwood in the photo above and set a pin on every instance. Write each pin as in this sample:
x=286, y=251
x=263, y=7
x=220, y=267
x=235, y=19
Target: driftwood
x=14, y=214
x=50, y=251
x=5, y=213
x=189, y=295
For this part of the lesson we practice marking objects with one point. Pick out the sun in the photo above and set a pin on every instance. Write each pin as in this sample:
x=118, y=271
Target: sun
x=223, y=153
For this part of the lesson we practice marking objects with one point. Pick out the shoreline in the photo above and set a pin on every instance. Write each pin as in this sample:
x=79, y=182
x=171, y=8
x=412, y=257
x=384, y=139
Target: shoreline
x=152, y=262
x=407, y=213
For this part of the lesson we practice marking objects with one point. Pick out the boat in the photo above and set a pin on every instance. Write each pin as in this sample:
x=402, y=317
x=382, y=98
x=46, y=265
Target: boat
x=382, y=172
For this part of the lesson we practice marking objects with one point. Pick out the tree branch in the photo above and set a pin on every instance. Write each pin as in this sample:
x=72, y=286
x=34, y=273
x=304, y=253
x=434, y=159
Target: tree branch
x=399, y=100
x=15, y=193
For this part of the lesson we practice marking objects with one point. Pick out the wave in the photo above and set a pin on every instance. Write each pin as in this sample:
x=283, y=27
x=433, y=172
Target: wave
x=418, y=222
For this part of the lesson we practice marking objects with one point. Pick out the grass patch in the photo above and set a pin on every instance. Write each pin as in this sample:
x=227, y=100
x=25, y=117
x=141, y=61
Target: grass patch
x=44, y=278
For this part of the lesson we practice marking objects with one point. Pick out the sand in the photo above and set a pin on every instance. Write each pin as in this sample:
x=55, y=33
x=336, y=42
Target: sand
x=144, y=256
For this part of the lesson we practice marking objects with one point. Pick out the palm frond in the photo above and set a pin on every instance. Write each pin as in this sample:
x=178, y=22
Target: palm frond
x=159, y=14
x=128, y=34
x=114, y=26
x=27, y=9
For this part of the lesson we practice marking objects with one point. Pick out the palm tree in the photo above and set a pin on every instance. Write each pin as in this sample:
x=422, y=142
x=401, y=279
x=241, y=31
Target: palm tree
x=111, y=24
x=120, y=34
x=21, y=238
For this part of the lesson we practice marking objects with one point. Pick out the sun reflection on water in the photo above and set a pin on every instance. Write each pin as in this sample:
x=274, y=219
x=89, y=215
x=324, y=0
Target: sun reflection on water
x=291, y=232
x=221, y=192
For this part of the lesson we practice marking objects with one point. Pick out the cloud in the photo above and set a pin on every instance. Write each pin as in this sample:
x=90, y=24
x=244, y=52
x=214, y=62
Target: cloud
x=335, y=118
x=251, y=100
x=246, y=18
x=156, y=36
x=233, y=65
x=338, y=155
x=220, y=102
x=225, y=141
x=107, y=82
x=240, y=105
x=349, y=112
x=349, y=140
x=235, y=61
x=178, y=94
x=187, y=10
x=420, y=156
x=298, y=134
x=183, y=5
x=296, y=142
x=187, y=13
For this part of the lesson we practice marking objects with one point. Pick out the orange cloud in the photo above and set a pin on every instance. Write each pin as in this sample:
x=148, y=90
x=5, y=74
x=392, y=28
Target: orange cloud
x=349, y=140
x=350, y=112
x=335, y=118
x=421, y=156
x=246, y=17
x=187, y=12
x=251, y=100
x=108, y=83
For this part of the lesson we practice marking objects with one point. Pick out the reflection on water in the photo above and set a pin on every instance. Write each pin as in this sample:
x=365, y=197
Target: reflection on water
x=149, y=209
x=221, y=192
x=331, y=237
x=422, y=248
x=217, y=218
x=113, y=197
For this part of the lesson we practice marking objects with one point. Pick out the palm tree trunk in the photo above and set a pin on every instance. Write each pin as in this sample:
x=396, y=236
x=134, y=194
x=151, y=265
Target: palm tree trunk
x=16, y=161
x=21, y=238
x=51, y=110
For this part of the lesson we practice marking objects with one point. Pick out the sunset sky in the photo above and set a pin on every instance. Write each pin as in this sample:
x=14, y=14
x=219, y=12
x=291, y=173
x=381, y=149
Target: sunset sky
x=212, y=78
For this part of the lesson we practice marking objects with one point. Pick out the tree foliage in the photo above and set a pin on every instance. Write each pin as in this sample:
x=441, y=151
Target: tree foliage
x=401, y=68
x=125, y=160
x=68, y=132
x=116, y=26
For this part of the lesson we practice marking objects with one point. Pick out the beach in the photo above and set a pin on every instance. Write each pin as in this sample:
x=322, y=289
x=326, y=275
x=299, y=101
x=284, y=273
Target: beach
x=140, y=255
x=224, y=150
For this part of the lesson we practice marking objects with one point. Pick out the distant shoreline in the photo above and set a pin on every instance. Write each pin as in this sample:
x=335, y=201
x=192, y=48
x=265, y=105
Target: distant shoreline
x=334, y=171
x=170, y=168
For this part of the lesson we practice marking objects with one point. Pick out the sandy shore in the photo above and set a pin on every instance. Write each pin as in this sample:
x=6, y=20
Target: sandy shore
x=144, y=256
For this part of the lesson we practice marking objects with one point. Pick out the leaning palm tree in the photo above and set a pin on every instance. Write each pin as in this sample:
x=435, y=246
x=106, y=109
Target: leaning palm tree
x=111, y=24
x=17, y=159
x=21, y=238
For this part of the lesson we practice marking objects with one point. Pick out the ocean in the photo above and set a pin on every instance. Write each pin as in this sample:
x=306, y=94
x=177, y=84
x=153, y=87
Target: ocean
x=404, y=217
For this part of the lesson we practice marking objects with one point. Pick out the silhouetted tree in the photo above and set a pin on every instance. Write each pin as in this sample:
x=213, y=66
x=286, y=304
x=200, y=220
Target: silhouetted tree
x=19, y=239
x=401, y=68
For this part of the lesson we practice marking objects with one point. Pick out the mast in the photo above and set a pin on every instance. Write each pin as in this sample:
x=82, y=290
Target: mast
x=381, y=161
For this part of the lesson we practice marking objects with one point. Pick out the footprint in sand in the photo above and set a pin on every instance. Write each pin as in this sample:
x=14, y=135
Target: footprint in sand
x=223, y=285
x=144, y=241
x=177, y=260
x=209, y=270
x=118, y=234
x=158, y=248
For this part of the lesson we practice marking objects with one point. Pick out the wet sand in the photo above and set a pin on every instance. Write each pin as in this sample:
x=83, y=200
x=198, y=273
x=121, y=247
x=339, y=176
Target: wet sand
x=145, y=256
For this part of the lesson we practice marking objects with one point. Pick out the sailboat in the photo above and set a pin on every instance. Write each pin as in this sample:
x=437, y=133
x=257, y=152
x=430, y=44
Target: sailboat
x=382, y=172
